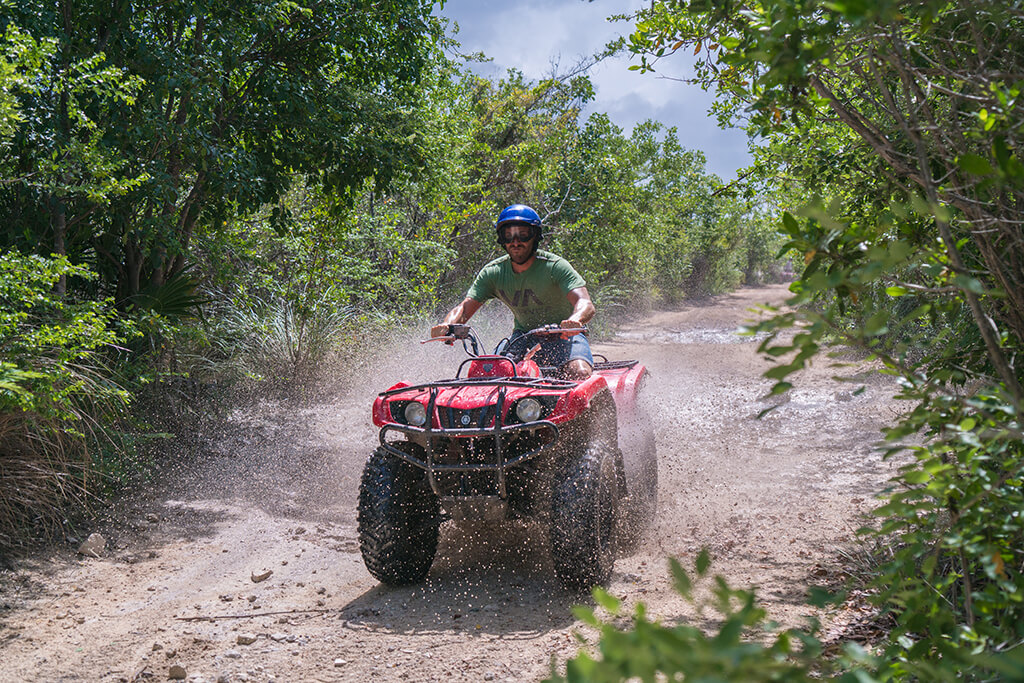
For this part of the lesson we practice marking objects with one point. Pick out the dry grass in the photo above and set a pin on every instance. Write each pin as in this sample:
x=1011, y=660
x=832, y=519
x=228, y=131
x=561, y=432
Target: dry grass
x=45, y=471
x=278, y=341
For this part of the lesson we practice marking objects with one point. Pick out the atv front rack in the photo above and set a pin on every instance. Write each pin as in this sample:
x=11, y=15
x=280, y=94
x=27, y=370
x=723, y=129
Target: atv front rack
x=513, y=381
x=546, y=429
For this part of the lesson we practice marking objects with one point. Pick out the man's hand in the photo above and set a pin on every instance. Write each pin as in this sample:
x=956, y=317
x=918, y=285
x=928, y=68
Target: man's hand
x=571, y=324
x=457, y=316
x=442, y=330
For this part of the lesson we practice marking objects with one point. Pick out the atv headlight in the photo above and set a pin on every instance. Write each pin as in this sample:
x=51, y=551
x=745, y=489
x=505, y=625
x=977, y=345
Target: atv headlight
x=528, y=410
x=415, y=414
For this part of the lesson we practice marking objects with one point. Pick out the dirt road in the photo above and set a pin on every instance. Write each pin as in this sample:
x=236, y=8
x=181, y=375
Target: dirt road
x=773, y=500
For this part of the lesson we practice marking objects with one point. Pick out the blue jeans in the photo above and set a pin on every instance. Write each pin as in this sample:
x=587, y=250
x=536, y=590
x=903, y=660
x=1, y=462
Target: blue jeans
x=554, y=351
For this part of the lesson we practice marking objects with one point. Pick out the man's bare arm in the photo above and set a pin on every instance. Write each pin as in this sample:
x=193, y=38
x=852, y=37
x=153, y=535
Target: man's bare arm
x=460, y=314
x=582, y=308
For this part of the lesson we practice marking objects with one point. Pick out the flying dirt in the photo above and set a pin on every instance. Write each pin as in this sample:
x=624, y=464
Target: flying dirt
x=242, y=562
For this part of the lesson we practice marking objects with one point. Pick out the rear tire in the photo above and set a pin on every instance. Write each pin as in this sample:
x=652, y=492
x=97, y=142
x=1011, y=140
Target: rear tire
x=398, y=521
x=584, y=500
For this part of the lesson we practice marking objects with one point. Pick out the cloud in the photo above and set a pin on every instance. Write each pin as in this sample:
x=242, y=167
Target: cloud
x=614, y=81
x=531, y=36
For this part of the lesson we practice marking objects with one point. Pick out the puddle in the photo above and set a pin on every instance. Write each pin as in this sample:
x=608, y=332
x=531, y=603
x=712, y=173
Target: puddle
x=694, y=336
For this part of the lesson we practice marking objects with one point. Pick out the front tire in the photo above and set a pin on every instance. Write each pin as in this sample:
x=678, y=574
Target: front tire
x=584, y=502
x=398, y=521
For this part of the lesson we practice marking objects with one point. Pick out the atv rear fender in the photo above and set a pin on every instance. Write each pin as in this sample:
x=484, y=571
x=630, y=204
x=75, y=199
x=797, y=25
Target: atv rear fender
x=625, y=380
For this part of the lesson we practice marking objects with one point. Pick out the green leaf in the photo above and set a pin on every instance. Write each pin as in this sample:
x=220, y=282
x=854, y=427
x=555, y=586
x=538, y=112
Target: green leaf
x=790, y=224
x=683, y=585
x=916, y=477
x=877, y=324
x=586, y=615
x=607, y=600
x=969, y=284
x=975, y=165
x=780, y=372
x=822, y=597
x=703, y=562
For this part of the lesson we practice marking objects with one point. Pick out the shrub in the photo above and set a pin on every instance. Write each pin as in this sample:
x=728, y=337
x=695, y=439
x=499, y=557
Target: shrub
x=744, y=647
x=651, y=651
x=57, y=397
x=279, y=338
x=955, y=583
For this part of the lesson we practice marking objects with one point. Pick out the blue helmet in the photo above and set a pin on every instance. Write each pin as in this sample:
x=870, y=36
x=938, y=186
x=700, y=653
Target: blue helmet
x=519, y=213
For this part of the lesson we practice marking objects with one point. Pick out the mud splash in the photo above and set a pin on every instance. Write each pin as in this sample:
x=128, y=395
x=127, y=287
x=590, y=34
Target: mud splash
x=691, y=336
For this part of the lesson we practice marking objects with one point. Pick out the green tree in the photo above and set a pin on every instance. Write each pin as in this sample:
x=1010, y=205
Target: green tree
x=640, y=216
x=237, y=99
x=927, y=87
x=51, y=135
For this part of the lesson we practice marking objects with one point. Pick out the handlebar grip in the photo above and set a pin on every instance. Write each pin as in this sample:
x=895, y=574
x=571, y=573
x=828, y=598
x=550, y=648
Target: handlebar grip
x=459, y=331
x=456, y=332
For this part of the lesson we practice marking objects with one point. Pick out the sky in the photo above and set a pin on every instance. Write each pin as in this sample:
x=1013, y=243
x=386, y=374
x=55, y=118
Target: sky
x=533, y=35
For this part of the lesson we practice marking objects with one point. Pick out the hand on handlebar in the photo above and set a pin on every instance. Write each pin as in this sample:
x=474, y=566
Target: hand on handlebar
x=570, y=328
x=565, y=329
x=441, y=333
x=571, y=324
x=448, y=333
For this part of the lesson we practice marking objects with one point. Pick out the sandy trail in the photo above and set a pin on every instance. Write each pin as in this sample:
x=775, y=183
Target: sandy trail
x=773, y=499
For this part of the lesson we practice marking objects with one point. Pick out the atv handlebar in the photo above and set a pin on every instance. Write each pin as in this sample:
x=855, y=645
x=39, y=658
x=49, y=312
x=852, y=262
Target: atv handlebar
x=455, y=333
x=565, y=332
x=470, y=341
x=459, y=332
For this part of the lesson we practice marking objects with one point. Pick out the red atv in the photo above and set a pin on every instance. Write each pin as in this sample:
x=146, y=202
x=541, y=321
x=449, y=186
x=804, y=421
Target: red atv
x=510, y=440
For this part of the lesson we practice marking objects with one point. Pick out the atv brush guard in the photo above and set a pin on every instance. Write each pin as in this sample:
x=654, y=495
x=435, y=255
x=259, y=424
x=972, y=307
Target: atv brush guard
x=546, y=430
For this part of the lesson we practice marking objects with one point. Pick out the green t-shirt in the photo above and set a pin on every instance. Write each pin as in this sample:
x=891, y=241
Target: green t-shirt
x=536, y=297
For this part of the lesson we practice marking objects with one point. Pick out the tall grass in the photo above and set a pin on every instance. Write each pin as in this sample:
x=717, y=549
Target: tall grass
x=42, y=473
x=281, y=339
x=50, y=465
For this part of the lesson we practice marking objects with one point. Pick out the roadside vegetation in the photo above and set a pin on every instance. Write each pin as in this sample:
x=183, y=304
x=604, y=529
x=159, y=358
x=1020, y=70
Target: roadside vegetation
x=193, y=204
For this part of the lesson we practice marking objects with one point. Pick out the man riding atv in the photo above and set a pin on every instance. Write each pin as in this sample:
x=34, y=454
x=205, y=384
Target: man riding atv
x=540, y=288
x=558, y=441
